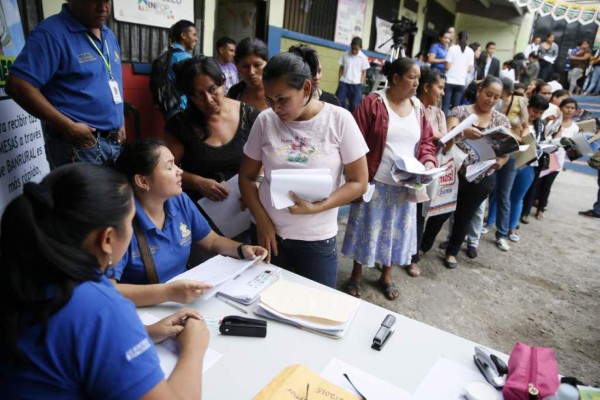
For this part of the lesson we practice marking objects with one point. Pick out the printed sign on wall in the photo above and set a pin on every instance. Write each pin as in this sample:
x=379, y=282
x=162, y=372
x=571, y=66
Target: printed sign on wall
x=161, y=13
x=350, y=20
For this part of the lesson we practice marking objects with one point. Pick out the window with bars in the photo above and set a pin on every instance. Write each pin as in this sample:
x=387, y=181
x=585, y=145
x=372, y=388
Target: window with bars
x=315, y=18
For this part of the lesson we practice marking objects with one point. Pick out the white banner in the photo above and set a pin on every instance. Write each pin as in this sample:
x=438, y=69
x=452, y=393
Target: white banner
x=161, y=13
x=22, y=153
x=350, y=20
x=384, y=33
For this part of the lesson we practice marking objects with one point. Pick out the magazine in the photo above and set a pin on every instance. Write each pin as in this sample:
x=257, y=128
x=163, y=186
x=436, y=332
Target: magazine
x=408, y=171
x=495, y=142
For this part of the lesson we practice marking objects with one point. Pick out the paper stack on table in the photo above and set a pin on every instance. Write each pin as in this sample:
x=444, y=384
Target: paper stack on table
x=247, y=287
x=168, y=353
x=216, y=271
x=408, y=171
x=308, y=184
x=327, y=312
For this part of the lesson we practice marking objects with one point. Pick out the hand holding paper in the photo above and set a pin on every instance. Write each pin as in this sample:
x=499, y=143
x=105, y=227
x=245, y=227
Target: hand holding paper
x=467, y=122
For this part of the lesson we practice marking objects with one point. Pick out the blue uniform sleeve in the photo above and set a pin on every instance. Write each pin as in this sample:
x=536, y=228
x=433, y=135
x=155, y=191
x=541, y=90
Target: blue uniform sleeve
x=116, y=358
x=39, y=60
x=199, y=226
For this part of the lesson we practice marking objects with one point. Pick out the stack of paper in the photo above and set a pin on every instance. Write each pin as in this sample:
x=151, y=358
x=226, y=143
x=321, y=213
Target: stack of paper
x=247, y=287
x=474, y=171
x=408, y=171
x=321, y=311
x=216, y=271
x=168, y=353
x=308, y=184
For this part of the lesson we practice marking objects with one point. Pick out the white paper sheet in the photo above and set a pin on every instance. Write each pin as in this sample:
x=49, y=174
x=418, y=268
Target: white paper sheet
x=226, y=214
x=168, y=353
x=370, y=386
x=467, y=122
x=308, y=184
x=475, y=170
x=368, y=195
x=246, y=287
x=215, y=271
x=446, y=380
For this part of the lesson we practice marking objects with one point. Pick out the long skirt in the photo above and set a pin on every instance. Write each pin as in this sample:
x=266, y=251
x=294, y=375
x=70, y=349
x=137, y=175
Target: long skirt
x=383, y=230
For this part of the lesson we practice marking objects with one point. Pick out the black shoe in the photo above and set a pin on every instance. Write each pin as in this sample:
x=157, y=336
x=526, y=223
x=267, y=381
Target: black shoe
x=450, y=265
x=443, y=245
x=472, y=252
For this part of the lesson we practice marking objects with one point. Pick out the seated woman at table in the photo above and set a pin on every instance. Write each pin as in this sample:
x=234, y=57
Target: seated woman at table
x=298, y=132
x=312, y=59
x=208, y=138
x=394, y=124
x=169, y=223
x=251, y=56
x=66, y=332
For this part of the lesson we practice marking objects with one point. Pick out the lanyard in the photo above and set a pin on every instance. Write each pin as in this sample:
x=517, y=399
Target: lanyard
x=107, y=63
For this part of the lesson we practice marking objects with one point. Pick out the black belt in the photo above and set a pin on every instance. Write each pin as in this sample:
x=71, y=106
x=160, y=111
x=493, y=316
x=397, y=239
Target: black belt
x=112, y=134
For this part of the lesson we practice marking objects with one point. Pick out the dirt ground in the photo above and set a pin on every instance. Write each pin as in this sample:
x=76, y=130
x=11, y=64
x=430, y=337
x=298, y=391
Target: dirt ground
x=545, y=291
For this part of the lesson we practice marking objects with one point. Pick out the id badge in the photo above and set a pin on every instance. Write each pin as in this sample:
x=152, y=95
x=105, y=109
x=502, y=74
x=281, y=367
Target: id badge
x=114, y=89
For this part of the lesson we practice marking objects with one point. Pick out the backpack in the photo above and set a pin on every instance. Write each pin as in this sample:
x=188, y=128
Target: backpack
x=164, y=93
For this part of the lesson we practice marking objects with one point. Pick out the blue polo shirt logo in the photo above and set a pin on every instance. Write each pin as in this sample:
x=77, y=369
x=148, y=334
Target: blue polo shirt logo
x=186, y=234
x=86, y=57
x=117, y=58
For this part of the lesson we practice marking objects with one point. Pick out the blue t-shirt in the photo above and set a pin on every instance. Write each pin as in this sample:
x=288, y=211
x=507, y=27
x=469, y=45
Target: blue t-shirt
x=170, y=247
x=94, y=347
x=175, y=58
x=60, y=60
x=440, y=53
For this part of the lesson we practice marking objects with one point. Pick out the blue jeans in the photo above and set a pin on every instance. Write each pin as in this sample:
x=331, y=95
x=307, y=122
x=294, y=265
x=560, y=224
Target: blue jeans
x=500, y=198
x=60, y=151
x=593, y=85
x=597, y=203
x=523, y=181
x=452, y=96
x=316, y=260
x=352, y=93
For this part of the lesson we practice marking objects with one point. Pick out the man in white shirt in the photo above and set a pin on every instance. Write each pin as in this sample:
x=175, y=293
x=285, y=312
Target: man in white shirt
x=533, y=46
x=459, y=62
x=353, y=72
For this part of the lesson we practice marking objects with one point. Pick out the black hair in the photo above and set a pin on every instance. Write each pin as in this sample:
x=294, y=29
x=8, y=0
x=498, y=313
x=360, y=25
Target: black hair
x=224, y=41
x=488, y=81
x=179, y=28
x=309, y=55
x=550, y=34
x=400, y=67
x=490, y=44
x=538, y=102
x=533, y=55
x=507, y=84
x=139, y=157
x=518, y=86
x=539, y=84
x=43, y=231
x=474, y=46
x=186, y=70
x=290, y=66
x=251, y=46
x=508, y=63
x=555, y=77
x=519, y=57
x=559, y=93
x=356, y=41
x=428, y=77
x=567, y=101
x=442, y=33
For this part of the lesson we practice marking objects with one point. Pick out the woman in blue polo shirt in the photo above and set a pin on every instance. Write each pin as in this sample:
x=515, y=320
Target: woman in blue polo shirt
x=66, y=332
x=170, y=223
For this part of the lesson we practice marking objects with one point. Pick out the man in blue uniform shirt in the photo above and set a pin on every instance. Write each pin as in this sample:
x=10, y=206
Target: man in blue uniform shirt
x=69, y=75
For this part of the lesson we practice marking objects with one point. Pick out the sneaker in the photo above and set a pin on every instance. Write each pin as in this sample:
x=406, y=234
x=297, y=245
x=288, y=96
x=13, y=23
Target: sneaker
x=502, y=244
x=485, y=230
x=513, y=237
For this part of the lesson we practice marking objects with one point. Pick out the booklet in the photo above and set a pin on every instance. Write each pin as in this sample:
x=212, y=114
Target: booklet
x=495, y=142
x=408, y=171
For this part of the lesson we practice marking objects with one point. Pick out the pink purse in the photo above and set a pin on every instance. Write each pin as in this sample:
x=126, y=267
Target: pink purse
x=531, y=371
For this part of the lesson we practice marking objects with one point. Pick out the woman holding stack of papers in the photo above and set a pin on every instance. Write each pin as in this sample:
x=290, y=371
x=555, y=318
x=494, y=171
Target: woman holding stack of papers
x=66, y=332
x=167, y=223
x=394, y=124
x=303, y=134
x=470, y=194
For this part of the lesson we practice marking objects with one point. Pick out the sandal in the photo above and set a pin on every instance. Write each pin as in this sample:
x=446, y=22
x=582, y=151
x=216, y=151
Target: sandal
x=539, y=215
x=413, y=270
x=389, y=290
x=353, y=288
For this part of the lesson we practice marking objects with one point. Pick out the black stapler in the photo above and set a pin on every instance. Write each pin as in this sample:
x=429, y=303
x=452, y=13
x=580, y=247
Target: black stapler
x=492, y=368
x=234, y=325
